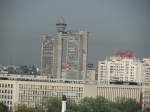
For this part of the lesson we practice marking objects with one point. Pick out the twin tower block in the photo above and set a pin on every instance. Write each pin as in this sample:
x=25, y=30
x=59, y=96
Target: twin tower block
x=75, y=57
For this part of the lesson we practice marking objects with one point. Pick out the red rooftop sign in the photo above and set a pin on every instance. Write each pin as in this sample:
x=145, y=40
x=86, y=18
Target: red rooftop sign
x=124, y=54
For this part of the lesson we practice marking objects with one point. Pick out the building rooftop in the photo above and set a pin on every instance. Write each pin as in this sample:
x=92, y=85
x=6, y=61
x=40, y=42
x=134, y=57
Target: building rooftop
x=39, y=78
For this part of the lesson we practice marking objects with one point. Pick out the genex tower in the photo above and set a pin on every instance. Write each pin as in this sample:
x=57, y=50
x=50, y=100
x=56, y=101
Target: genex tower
x=76, y=53
x=61, y=35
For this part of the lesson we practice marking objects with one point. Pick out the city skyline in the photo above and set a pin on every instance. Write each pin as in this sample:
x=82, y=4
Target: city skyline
x=113, y=25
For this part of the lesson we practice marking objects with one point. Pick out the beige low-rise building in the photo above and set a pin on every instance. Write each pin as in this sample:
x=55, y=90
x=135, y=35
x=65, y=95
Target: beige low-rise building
x=31, y=91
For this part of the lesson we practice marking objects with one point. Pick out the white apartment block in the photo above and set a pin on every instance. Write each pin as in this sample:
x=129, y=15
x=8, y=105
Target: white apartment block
x=31, y=90
x=120, y=69
x=146, y=70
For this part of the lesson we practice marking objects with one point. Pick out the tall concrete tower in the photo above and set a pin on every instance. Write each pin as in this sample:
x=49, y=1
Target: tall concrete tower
x=77, y=46
x=61, y=34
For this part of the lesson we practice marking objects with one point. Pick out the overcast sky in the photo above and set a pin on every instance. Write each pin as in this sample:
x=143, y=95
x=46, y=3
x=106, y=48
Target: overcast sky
x=112, y=24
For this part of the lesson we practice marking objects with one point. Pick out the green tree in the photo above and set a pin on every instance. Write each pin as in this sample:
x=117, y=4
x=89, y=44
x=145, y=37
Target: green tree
x=101, y=104
x=113, y=107
x=34, y=70
x=98, y=104
x=86, y=104
x=127, y=105
x=3, y=107
x=71, y=105
x=24, y=108
x=21, y=108
x=147, y=109
x=52, y=104
x=10, y=70
x=71, y=111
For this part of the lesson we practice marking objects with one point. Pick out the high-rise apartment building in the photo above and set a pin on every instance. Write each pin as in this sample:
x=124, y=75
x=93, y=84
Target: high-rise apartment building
x=76, y=56
x=120, y=69
x=49, y=57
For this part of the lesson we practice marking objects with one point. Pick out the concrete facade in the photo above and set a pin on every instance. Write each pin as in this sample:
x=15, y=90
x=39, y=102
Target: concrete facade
x=76, y=56
x=91, y=74
x=48, y=56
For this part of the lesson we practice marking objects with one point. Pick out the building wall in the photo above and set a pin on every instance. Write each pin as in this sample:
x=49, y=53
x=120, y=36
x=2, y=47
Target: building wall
x=48, y=58
x=146, y=70
x=146, y=97
x=32, y=93
x=113, y=92
x=77, y=45
x=63, y=73
x=73, y=57
x=90, y=90
x=90, y=75
x=8, y=93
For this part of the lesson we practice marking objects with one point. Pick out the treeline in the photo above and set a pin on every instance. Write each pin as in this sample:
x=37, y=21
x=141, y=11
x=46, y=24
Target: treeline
x=87, y=104
x=27, y=70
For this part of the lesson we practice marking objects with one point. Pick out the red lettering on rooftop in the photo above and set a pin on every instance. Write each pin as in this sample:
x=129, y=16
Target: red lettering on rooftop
x=124, y=54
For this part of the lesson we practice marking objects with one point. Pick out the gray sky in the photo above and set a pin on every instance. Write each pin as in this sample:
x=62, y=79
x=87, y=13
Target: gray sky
x=113, y=25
